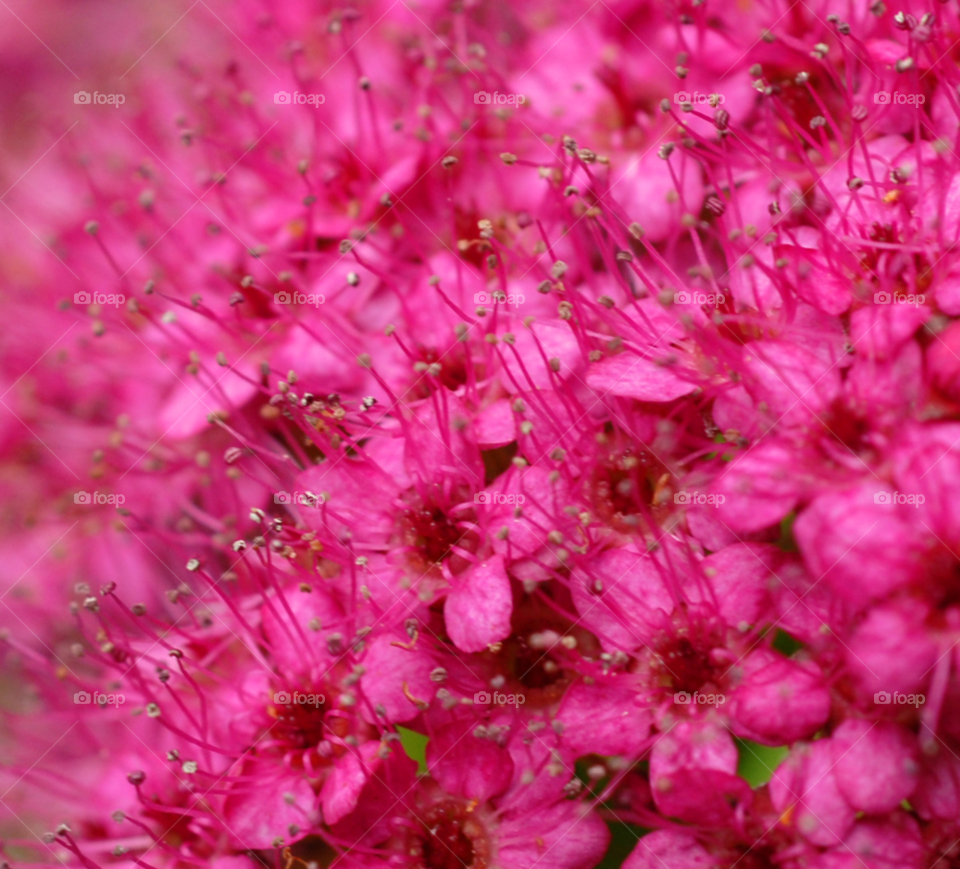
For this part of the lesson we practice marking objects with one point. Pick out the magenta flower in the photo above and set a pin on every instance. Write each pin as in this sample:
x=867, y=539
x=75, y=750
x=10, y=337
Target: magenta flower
x=481, y=435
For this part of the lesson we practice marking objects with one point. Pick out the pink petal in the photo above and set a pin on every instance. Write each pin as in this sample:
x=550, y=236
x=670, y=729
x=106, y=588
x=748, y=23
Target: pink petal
x=466, y=765
x=668, y=848
x=632, y=376
x=390, y=667
x=341, y=790
x=602, y=719
x=567, y=835
x=806, y=780
x=478, y=608
x=257, y=816
x=876, y=764
x=495, y=425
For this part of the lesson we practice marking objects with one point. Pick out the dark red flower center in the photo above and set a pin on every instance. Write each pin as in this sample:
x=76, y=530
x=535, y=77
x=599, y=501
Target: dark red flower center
x=434, y=522
x=453, y=369
x=682, y=657
x=432, y=532
x=300, y=725
x=450, y=836
x=624, y=483
x=445, y=846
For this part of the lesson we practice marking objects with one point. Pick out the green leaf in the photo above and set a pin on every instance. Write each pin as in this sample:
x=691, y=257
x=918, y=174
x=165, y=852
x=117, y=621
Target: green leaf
x=415, y=745
x=623, y=839
x=758, y=762
x=786, y=643
x=787, y=542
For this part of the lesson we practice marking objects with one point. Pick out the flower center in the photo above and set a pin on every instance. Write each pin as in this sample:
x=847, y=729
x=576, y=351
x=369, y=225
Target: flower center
x=453, y=369
x=624, y=482
x=299, y=725
x=682, y=657
x=910, y=272
x=451, y=836
x=849, y=428
x=534, y=667
x=535, y=660
x=432, y=526
x=446, y=846
x=432, y=532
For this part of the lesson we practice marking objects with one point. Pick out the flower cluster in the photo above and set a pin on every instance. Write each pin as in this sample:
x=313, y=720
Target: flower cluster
x=500, y=458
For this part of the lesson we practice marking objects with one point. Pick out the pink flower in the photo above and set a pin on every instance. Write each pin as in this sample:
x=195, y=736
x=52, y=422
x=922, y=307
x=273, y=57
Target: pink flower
x=434, y=435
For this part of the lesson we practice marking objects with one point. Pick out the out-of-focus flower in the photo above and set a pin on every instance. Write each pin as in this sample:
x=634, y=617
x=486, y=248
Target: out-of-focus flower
x=438, y=435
